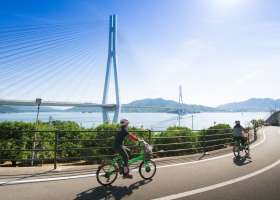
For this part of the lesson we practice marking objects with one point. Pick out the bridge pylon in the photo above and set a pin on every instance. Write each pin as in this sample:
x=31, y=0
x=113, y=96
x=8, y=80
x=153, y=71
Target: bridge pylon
x=111, y=60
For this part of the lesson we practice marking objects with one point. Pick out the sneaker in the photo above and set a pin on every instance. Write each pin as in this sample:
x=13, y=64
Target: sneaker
x=127, y=176
x=120, y=170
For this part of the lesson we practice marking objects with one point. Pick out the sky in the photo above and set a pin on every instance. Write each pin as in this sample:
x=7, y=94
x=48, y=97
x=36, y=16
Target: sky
x=220, y=51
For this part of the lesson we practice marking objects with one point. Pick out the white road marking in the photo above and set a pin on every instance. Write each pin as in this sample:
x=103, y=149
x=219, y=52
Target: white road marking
x=45, y=179
x=219, y=185
x=13, y=182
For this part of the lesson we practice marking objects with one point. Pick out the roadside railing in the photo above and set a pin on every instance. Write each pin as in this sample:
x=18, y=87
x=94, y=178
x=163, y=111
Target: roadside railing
x=60, y=146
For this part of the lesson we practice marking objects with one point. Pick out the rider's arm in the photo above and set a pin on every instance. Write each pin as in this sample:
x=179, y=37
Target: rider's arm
x=132, y=137
x=245, y=132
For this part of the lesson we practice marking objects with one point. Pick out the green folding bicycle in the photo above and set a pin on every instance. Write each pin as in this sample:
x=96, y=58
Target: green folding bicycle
x=108, y=173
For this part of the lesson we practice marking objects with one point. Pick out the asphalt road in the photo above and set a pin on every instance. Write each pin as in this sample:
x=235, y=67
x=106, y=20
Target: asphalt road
x=215, y=178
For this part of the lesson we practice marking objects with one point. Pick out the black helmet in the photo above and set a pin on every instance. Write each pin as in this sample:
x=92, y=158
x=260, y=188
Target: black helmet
x=237, y=122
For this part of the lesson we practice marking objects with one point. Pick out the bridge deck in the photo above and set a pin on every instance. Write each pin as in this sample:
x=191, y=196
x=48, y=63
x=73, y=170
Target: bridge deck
x=54, y=103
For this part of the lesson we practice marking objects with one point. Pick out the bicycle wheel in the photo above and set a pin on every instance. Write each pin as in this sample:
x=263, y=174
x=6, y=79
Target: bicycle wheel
x=107, y=174
x=147, y=169
x=247, y=149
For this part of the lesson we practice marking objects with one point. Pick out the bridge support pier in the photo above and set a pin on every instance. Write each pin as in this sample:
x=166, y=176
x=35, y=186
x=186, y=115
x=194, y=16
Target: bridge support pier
x=112, y=59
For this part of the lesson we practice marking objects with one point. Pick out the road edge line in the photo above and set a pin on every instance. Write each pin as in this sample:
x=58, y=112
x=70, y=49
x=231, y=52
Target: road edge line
x=219, y=185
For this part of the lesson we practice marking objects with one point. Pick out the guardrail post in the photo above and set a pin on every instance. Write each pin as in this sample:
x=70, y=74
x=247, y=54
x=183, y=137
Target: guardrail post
x=55, y=149
x=150, y=137
x=33, y=156
x=204, y=142
x=255, y=134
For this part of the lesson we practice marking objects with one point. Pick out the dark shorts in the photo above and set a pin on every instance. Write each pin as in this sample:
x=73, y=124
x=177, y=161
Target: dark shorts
x=123, y=152
x=240, y=139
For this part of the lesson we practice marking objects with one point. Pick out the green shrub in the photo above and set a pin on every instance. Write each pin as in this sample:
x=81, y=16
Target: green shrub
x=217, y=136
x=15, y=136
x=78, y=143
x=175, y=138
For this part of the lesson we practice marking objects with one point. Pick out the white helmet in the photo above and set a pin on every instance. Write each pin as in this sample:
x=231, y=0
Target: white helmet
x=124, y=122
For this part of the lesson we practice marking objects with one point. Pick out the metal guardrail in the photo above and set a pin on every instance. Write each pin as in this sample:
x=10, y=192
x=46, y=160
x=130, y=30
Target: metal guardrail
x=61, y=148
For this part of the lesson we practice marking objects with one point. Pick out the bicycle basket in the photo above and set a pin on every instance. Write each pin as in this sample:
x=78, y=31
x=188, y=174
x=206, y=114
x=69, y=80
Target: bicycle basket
x=148, y=150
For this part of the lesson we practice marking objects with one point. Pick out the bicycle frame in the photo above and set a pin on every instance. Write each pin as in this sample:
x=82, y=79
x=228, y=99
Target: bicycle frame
x=140, y=157
x=118, y=160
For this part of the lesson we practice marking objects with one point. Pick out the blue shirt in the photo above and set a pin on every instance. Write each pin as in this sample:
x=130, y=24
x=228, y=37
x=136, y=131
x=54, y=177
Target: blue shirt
x=120, y=136
x=237, y=131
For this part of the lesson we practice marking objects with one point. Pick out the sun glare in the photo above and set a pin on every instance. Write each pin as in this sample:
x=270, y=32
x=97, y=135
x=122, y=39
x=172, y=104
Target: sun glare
x=225, y=6
x=227, y=3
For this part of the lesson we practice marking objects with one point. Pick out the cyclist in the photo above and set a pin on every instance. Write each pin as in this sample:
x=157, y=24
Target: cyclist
x=120, y=148
x=238, y=134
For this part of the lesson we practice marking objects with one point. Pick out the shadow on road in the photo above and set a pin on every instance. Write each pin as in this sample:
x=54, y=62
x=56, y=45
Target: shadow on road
x=241, y=161
x=110, y=192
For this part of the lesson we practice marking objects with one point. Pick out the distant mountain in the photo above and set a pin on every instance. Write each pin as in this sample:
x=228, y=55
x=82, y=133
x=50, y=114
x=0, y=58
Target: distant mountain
x=252, y=105
x=158, y=102
x=84, y=109
x=151, y=105
x=162, y=105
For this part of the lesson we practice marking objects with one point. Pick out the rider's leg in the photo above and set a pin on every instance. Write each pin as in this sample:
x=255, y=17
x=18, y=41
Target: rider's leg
x=236, y=139
x=238, y=143
x=128, y=152
x=125, y=159
x=243, y=141
x=126, y=168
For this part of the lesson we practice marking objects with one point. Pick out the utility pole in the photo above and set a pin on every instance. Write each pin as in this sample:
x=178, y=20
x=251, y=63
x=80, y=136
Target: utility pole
x=192, y=122
x=38, y=103
x=180, y=106
x=112, y=59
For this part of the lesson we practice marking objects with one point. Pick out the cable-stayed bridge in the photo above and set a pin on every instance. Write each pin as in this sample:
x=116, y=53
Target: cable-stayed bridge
x=61, y=59
x=24, y=50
